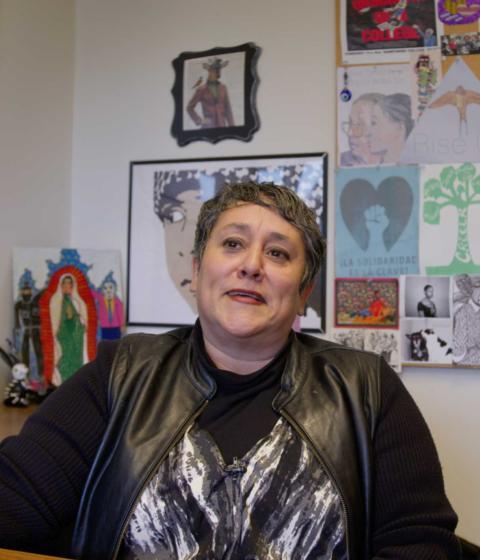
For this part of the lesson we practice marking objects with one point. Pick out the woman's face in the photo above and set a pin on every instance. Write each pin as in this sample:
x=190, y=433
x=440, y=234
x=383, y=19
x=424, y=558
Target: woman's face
x=108, y=290
x=67, y=285
x=248, y=281
x=359, y=129
x=429, y=292
x=179, y=238
x=385, y=132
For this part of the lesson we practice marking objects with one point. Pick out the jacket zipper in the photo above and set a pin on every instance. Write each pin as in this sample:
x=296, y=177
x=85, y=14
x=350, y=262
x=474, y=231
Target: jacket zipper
x=152, y=471
x=302, y=434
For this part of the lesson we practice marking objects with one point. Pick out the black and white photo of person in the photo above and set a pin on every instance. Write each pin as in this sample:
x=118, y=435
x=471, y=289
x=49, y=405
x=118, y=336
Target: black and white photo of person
x=426, y=306
x=466, y=320
x=427, y=296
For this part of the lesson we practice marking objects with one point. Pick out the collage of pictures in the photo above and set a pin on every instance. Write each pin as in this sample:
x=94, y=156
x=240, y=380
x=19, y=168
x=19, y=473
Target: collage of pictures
x=407, y=183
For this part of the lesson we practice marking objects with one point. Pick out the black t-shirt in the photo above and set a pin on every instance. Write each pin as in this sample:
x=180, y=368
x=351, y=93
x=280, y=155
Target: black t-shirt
x=241, y=411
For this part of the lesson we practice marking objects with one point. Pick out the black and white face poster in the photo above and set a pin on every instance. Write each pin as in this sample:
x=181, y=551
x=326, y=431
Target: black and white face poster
x=372, y=30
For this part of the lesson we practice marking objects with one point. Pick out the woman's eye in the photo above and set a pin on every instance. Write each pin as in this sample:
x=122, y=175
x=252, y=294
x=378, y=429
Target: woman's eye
x=231, y=243
x=175, y=216
x=279, y=254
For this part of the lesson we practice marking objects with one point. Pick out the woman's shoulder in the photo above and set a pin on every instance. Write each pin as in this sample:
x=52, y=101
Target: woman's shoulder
x=150, y=342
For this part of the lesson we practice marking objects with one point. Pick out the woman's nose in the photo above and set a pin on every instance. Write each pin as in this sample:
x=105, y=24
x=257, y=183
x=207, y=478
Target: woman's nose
x=252, y=264
x=356, y=129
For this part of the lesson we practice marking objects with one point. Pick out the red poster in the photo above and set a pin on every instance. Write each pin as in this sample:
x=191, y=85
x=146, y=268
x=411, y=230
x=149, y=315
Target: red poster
x=390, y=24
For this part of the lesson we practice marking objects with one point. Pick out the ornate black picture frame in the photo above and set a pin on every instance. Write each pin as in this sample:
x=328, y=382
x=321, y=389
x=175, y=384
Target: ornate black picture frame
x=165, y=199
x=215, y=93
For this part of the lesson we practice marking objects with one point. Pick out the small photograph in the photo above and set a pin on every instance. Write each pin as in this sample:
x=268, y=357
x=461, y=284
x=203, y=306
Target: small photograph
x=384, y=342
x=424, y=341
x=466, y=320
x=353, y=338
x=426, y=296
x=366, y=302
x=454, y=45
x=458, y=12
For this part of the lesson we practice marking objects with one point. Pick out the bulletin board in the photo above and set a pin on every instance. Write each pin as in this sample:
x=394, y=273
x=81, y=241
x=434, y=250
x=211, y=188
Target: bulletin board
x=407, y=181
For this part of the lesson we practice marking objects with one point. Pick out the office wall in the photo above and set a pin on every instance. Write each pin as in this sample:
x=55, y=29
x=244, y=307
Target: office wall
x=36, y=110
x=123, y=111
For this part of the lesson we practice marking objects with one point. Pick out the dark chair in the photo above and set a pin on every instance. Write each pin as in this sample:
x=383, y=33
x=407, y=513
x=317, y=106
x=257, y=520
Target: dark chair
x=470, y=551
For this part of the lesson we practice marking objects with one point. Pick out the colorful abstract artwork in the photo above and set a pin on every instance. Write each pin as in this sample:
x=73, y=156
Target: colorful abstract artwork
x=366, y=302
x=66, y=300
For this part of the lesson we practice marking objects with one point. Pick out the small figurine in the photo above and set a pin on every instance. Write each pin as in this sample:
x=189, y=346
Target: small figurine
x=16, y=392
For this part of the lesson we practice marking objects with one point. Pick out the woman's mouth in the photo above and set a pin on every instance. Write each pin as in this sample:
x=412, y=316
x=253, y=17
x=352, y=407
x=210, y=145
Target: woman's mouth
x=247, y=296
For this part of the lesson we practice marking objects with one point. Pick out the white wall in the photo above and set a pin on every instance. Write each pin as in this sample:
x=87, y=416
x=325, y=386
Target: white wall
x=449, y=400
x=124, y=108
x=123, y=111
x=36, y=110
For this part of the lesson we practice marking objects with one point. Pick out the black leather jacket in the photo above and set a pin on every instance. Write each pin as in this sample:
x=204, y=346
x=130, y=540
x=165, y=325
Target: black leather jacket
x=329, y=394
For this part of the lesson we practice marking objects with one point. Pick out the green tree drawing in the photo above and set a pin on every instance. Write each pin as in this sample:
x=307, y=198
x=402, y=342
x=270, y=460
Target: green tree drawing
x=459, y=188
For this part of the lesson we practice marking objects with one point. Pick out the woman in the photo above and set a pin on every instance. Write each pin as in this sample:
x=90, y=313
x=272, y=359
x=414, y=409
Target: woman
x=177, y=201
x=237, y=437
x=426, y=306
x=392, y=123
x=68, y=313
x=358, y=130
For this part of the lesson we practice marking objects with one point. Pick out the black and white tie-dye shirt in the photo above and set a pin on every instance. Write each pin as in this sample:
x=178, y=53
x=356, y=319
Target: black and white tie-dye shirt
x=278, y=503
x=283, y=506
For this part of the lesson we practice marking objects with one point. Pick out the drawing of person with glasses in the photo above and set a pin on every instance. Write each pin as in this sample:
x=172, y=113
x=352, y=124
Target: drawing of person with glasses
x=359, y=129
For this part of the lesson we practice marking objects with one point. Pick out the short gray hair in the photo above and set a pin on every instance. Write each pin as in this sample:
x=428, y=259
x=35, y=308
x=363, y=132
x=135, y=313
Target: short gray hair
x=283, y=200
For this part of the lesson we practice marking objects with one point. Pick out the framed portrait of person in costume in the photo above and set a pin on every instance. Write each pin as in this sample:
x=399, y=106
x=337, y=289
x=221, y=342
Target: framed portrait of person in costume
x=214, y=94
